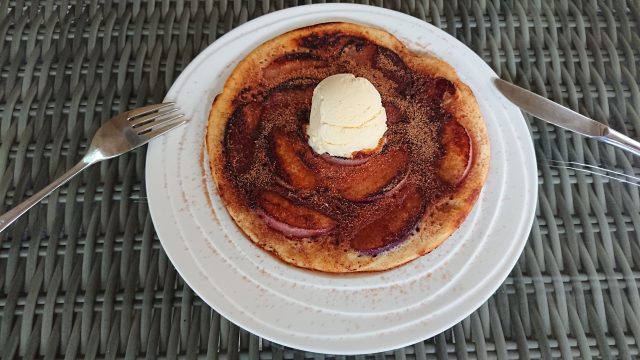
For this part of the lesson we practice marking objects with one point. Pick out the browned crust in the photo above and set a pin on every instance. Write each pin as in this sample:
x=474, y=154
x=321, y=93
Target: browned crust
x=438, y=223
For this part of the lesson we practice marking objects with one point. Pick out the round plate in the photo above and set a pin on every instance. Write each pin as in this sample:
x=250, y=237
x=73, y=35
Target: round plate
x=352, y=313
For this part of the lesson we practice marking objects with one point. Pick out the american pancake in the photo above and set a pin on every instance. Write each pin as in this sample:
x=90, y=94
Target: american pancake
x=372, y=212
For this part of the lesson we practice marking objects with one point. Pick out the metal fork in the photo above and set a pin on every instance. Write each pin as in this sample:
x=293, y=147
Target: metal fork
x=121, y=134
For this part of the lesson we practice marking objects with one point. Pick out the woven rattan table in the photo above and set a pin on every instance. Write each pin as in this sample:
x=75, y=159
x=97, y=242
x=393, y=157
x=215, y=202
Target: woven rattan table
x=83, y=274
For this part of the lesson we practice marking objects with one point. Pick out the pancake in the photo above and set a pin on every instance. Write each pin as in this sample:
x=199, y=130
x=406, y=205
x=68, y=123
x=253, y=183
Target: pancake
x=373, y=212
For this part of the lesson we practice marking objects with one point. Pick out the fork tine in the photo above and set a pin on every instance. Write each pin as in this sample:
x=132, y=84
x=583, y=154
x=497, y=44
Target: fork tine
x=160, y=122
x=147, y=109
x=163, y=112
x=162, y=130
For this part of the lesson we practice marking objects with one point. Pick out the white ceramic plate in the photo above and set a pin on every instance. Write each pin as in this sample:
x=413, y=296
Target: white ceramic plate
x=343, y=314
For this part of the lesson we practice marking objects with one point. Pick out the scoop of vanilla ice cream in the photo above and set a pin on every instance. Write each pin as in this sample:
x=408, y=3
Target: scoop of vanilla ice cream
x=346, y=116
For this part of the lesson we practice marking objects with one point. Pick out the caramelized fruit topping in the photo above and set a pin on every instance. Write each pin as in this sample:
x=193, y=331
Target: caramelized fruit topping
x=391, y=228
x=291, y=219
x=240, y=136
x=288, y=65
x=369, y=179
x=288, y=156
x=456, y=160
x=371, y=203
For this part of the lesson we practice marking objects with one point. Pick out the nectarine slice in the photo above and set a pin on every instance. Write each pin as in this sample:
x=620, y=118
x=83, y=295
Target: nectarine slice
x=456, y=159
x=291, y=219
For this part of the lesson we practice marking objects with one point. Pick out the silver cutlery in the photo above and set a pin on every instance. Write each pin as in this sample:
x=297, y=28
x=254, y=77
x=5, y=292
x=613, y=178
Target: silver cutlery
x=121, y=134
x=559, y=115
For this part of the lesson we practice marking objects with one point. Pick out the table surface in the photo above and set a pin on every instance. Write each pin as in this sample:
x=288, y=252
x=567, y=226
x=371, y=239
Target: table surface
x=83, y=273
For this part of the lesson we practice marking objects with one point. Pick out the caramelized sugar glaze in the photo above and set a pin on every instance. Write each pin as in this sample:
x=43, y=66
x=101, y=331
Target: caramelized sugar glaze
x=372, y=202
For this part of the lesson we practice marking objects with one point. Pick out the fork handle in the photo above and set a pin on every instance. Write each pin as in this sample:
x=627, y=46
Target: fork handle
x=10, y=216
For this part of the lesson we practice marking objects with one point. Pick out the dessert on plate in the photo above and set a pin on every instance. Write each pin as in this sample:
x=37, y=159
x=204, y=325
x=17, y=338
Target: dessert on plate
x=337, y=149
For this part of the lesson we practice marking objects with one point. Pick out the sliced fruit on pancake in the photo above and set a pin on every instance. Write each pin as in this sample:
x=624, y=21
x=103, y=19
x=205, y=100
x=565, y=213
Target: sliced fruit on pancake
x=288, y=153
x=291, y=219
x=360, y=179
x=392, y=66
x=373, y=177
x=363, y=55
x=440, y=88
x=393, y=225
x=456, y=159
x=289, y=64
x=241, y=135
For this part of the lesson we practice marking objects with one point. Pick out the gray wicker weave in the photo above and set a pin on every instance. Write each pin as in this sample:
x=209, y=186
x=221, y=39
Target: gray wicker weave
x=83, y=274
